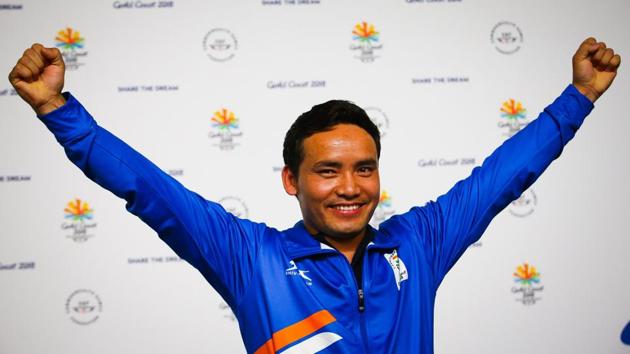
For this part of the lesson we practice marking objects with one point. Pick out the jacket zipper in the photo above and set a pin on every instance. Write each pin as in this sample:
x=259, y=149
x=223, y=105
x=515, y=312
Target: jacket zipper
x=361, y=294
x=361, y=302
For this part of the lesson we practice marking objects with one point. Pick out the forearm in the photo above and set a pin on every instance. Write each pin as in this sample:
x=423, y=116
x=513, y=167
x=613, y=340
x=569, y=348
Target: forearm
x=201, y=232
x=465, y=211
x=107, y=160
x=520, y=160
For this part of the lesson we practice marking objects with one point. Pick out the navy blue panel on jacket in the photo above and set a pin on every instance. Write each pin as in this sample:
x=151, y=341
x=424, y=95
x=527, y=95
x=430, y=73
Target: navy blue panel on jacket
x=293, y=294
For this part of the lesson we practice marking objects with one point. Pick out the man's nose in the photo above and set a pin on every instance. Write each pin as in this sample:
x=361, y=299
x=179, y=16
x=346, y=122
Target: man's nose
x=348, y=186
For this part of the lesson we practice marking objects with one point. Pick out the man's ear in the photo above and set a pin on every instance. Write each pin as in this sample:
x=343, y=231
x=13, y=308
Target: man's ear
x=289, y=181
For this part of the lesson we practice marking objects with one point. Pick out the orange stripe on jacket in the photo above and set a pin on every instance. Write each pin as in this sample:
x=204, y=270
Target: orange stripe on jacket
x=296, y=331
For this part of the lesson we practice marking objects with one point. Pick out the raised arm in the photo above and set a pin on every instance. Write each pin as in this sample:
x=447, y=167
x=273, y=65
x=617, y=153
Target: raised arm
x=459, y=217
x=222, y=247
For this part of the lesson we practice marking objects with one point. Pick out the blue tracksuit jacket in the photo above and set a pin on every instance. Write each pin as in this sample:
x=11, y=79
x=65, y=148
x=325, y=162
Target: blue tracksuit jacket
x=293, y=294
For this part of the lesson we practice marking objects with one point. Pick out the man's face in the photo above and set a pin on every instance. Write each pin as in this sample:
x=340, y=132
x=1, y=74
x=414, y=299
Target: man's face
x=338, y=185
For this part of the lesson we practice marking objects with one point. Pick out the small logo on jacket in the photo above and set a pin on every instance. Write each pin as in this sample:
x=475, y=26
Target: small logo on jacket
x=366, y=41
x=70, y=43
x=398, y=267
x=294, y=271
x=79, y=213
x=225, y=128
x=527, y=277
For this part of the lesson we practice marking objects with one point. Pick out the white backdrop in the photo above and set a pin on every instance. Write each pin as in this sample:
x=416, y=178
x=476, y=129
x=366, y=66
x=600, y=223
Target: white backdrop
x=434, y=77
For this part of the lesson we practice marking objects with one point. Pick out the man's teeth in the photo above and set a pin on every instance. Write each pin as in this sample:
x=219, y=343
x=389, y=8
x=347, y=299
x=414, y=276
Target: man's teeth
x=347, y=207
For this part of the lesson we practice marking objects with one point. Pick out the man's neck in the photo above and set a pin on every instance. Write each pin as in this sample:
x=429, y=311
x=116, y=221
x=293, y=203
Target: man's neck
x=347, y=247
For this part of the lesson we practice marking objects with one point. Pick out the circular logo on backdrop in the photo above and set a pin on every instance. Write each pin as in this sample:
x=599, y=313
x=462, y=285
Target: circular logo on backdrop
x=379, y=119
x=235, y=206
x=506, y=37
x=84, y=307
x=220, y=44
x=524, y=205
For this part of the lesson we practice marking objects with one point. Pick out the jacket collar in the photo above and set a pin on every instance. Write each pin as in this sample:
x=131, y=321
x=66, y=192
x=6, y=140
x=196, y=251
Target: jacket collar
x=298, y=243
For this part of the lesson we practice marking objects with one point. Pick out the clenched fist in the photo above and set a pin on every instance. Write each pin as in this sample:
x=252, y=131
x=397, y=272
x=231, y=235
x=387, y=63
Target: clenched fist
x=594, y=68
x=38, y=78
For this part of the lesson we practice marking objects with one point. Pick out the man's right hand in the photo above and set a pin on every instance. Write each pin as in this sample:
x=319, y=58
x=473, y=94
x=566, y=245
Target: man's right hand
x=38, y=78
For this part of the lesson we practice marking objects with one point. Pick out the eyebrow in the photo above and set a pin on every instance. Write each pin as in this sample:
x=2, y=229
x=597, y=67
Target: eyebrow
x=336, y=164
x=327, y=163
x=367, y=162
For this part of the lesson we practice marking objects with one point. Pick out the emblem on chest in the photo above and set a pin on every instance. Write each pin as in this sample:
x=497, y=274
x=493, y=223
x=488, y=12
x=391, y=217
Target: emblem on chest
x=294, y=271
x=398, y=267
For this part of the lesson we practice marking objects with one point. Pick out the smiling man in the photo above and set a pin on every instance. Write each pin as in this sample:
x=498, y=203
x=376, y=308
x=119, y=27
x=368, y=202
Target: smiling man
x=331, y=165
x=331, y=283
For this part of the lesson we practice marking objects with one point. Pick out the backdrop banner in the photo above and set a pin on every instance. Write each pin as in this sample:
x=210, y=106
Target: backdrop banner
x=207, y=91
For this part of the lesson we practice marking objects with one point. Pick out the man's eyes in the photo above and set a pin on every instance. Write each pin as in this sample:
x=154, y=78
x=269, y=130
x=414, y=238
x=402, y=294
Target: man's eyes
x=366, y=170
x=362, y=171
x=327, y=172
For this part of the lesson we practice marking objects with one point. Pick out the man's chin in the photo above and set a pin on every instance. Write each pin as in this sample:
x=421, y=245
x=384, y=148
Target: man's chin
x=344, y=235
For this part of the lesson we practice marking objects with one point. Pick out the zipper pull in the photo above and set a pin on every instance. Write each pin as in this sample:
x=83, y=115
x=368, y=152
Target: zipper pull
x=361, y=301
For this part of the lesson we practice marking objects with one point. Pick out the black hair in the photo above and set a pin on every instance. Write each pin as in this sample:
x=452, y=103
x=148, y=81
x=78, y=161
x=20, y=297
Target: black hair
x=323, y=117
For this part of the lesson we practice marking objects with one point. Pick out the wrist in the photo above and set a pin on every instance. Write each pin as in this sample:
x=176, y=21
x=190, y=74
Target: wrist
x=50, y=105
x=587, y=91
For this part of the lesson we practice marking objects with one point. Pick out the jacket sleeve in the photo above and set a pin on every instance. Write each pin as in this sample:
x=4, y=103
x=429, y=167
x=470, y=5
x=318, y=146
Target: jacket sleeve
x=458, y=218
x=221, y=246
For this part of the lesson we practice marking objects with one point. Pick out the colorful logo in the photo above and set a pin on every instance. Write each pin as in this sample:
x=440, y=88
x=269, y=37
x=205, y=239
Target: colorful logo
x=514, y=116
x=78, y=210
x=524, y=205
x=379, y=119
x=398, y=267
x=69, y=39
x=527, y=277
x=225, y=127
x=383, y=211
x=220, y=44
x=70, y=42
x=506, y=37
x=79, y=214
x=84, y=307
x=365, y=32
x=385, y=201
x=366, y=41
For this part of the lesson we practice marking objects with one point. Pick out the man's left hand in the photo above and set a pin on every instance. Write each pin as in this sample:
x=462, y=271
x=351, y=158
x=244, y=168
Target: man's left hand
x=594, y=68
